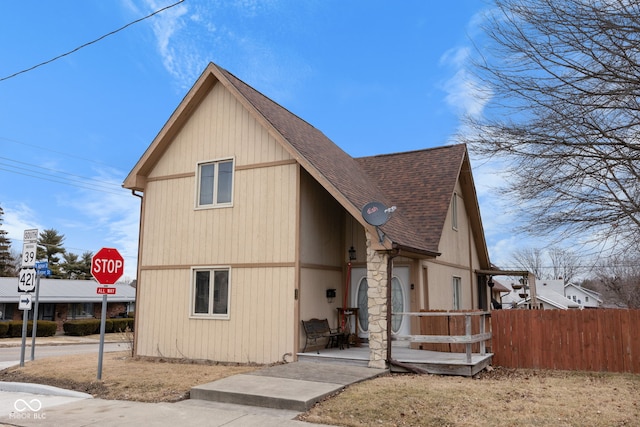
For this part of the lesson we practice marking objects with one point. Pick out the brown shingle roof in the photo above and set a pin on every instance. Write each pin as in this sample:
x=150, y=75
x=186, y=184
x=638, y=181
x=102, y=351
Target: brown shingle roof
x=420, y=184
x=349, y=176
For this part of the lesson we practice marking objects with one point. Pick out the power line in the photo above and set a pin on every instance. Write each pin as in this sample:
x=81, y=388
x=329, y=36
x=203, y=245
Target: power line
x=91, y=42
x=59, y=181
x=99, y=183
x=54, y=151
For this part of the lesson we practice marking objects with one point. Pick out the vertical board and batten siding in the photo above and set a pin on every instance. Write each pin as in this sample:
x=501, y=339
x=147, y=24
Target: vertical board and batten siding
x=588, y=340
x=459, y=258
x=254, y=333
x=256, y=237
x=321, y=253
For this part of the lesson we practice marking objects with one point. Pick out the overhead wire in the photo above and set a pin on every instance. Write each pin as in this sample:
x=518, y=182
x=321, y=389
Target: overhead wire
x=91, y=42
x=58, y=174
x=39, y=147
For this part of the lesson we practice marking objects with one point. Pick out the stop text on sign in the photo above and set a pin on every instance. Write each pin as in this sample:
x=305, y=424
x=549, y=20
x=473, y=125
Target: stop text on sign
x=107, y=266
x=110, y=266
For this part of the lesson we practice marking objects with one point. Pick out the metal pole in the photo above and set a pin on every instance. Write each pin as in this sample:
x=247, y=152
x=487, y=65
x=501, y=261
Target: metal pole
x=103, y=321
x=34, y=330
x=25, y=316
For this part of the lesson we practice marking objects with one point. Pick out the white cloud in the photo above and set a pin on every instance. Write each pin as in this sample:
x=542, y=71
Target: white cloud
x=17, y=218
x=465, y=93
x=114, y=215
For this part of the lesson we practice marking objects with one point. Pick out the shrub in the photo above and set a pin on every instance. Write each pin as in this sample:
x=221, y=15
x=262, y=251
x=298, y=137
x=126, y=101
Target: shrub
x=4, y=329
x=119, y=324
x=81, y=327
x=15, y=328
x=108, y=326
x=46, y=328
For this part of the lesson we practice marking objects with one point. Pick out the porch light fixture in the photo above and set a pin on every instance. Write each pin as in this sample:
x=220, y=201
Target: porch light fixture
x=352, y=254
x=490, y=283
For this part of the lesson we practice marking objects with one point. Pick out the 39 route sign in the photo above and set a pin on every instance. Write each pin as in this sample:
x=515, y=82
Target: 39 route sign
x=107, y=266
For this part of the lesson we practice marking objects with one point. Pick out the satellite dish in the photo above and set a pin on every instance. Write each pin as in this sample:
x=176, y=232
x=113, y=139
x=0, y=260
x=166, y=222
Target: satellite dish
x=375, y=213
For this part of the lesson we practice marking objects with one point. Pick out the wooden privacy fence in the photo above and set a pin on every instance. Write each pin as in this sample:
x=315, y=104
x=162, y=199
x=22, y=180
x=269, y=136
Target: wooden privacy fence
x=586, y=340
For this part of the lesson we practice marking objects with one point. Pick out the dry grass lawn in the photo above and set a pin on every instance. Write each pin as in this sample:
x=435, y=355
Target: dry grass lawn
x=123, y=377
x=498, y=398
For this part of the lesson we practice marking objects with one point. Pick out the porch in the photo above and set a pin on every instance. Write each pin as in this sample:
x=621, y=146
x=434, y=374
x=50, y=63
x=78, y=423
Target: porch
x=432, y=362
x=447, y=343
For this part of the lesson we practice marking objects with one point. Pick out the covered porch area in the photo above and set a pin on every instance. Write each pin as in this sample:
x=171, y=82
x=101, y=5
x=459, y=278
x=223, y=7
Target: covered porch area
x=459, y=343
x=426, y=361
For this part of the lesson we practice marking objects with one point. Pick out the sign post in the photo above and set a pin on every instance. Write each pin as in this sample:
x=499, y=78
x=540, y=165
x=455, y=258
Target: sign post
x=27, y=282
x=107, y=266
x=41, y=268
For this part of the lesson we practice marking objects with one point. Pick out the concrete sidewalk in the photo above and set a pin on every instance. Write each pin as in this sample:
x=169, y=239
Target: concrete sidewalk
x=273, y=396
x=21, y=409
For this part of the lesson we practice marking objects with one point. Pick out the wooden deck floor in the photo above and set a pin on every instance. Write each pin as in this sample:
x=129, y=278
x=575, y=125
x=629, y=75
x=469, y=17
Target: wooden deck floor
x=434, y=362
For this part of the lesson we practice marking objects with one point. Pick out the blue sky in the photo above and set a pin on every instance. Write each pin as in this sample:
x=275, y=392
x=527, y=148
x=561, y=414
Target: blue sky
x=375, y=77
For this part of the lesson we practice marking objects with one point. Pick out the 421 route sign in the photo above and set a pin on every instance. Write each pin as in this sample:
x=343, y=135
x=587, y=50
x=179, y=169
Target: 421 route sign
x=27, y=280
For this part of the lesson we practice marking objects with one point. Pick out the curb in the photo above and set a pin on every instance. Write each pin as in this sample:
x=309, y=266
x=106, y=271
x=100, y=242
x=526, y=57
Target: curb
x=41, y=389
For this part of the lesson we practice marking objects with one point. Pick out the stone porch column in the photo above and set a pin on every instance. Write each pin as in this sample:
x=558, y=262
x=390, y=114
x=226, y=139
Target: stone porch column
x=377, y=300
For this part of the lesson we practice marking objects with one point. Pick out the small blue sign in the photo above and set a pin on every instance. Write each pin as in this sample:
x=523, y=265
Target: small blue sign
x=41, y=266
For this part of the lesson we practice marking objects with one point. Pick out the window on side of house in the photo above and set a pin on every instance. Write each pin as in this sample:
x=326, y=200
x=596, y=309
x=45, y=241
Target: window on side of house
x=80, y=311
x=210, y=292
x=457, y=293
x=215, y=184
x=454, y=211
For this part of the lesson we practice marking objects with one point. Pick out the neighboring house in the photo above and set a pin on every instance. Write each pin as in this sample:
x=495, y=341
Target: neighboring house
x=62, y=300
x=550, y=294
x=586, y=298
x=498, y=292
x=248, y=215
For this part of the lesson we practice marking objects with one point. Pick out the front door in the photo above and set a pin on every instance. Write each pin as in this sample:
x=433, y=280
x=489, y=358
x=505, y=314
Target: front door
x=400, y=302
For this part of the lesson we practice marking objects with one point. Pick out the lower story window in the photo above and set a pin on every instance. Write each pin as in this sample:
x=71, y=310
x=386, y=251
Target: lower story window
x=80, y=311
x=210, y=292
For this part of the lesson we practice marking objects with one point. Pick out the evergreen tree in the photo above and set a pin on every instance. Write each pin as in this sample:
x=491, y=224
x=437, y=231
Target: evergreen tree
x=85, y=266
x=75, y=267
x=49, y=246
x=6, y=260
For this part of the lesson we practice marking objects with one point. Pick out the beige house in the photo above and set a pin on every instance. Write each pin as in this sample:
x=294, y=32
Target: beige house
x=247, y=220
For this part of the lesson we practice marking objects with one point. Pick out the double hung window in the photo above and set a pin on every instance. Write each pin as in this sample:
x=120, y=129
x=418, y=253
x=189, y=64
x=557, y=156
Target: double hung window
x=215, y=183
x=210, y=292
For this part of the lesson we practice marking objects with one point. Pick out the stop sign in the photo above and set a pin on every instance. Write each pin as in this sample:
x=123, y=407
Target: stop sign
x=107, y=266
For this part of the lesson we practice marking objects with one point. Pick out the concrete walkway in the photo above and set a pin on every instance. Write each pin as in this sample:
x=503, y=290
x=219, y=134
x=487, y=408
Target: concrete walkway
x=294, y=386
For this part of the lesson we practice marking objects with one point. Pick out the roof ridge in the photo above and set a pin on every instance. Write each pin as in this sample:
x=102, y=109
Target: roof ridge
x=422, y=150
x=267, y=99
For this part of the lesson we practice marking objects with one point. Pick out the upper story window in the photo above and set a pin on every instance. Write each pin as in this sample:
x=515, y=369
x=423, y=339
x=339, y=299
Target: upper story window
x=454, y=211
x=215, y=183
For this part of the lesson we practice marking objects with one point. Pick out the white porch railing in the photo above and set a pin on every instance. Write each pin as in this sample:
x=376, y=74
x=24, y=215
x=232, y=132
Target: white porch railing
x=467, y=339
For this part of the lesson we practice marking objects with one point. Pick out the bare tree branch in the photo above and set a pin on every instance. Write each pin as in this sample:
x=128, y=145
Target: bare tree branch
x=565, y=114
